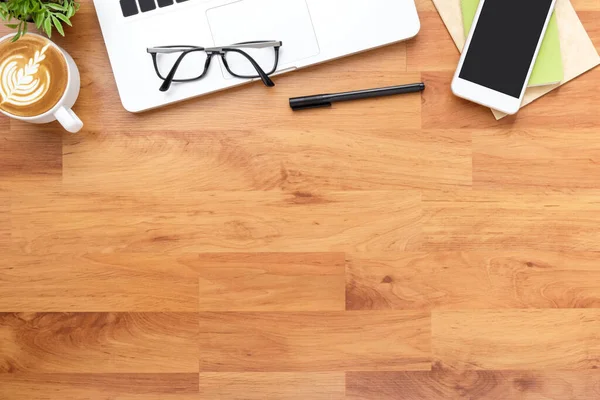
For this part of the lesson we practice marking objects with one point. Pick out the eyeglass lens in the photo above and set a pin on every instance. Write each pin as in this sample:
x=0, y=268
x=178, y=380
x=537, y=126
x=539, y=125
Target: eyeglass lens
x=191, y=66
x=241, y=66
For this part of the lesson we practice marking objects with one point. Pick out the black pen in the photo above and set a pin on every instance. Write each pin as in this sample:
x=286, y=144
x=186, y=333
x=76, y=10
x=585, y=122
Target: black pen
x=325, y=100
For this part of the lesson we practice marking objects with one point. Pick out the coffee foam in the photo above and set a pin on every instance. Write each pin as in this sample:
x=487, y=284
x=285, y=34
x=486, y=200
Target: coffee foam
x=23, y=86
x=33, y=76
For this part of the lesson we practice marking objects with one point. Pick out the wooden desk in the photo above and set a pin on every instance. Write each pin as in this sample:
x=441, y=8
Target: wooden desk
x=400, y=248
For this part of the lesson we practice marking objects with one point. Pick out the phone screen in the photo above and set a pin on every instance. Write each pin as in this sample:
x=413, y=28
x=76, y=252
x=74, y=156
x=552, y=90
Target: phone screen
x=504, y=44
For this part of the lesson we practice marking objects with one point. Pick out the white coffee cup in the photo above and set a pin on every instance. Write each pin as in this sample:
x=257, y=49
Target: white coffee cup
x=61, y=112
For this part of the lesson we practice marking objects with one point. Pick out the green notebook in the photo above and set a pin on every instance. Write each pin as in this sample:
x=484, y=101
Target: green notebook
x=548, y=67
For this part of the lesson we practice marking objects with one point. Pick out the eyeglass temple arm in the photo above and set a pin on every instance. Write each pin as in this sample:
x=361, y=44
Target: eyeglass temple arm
x=169, y=78
x=263, y=75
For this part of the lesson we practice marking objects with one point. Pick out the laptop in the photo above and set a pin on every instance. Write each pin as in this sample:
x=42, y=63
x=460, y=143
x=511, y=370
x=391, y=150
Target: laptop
x=312, y=32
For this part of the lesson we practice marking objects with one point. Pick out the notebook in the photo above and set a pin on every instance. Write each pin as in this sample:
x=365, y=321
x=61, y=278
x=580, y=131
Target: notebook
x=548, y=68
x=579, y=54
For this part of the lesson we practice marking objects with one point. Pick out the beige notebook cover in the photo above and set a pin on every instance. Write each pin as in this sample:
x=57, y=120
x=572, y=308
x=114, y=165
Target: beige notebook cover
x=578, y=52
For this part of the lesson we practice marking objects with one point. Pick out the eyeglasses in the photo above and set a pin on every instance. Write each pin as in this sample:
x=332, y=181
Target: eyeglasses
x=248, y=60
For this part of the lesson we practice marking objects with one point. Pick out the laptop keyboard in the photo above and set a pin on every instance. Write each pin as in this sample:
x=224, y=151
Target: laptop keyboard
x=134, y=7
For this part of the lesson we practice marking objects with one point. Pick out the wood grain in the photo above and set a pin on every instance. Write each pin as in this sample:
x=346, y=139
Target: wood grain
x=447, y=384
x=288, y=159
x=97, y=282
x=4, y=124
x=525, y=220
x=80, y=386
x=585, y=5
x=327, y=78
x=433, y=39
x=279, y=385
x=59, y=221
x=521, y=159
x=516, y=339
x=32, y=154
x=424, y=5
x=442, y=110
x=473, y=280
x=227, y=248
x=270, y=282
x=5, y=222
x=325, y=341
x=99, y=342
x=587, y=13
x=142, y=282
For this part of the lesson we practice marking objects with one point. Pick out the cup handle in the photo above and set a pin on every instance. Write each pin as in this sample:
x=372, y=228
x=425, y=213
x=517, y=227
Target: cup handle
x=68, y=119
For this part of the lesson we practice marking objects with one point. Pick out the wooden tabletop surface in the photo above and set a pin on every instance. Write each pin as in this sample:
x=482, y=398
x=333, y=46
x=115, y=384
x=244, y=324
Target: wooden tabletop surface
x=226, y=248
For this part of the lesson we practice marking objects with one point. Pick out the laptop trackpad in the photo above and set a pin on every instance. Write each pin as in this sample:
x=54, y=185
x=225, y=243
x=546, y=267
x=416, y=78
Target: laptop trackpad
x=249, y=20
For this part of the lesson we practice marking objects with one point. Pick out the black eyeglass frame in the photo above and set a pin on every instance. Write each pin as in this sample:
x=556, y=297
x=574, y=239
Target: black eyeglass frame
x=213, y=51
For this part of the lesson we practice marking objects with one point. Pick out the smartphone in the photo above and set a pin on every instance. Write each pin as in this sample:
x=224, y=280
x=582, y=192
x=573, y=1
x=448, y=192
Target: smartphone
x=500, y=52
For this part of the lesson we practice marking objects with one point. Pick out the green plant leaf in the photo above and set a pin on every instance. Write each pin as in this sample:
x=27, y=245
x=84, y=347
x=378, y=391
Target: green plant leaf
x=47, y=15
x=58, y=25
x=56, y=6
x=64, y=19
x=4, y=14
x=38, y=19
x=48, y=26
x=19, y=32
x=72, y=9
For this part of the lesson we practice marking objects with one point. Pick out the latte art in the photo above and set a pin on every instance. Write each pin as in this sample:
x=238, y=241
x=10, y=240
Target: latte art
x=33, y=76
x=23, y=86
